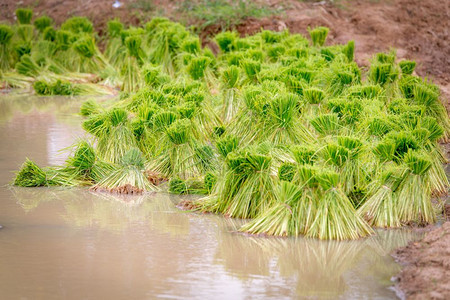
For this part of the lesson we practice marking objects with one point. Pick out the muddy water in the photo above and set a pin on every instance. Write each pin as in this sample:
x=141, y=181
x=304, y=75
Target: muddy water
x=72, y=244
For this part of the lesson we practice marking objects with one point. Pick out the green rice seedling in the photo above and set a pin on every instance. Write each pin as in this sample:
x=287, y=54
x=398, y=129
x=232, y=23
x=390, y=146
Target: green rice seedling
x=304, y=155
x=365, y=91
x=97, y=124
x=92, y=61
x=210, y=181
x=326, y=123
x=385, y=150
x=381, y=208
x=318, y=35
x=335, y=217
x=42, y=88
x=165, y=44
x=286, y=171
x=274, y=52
x=313, y=95
x=281, y=219
x=427, y=96
x=24, y=15
x=41, y=23
x=178, y=186
x=247, y=188
x=163, y=120
x=26, y=66
x=25, y=33
x=306, y=179
x=257, y=191
x=6, y=34
x=414, y=194
x=90, y=107
x=407, y=66
x=327, y=54
x=353, y=175
x=230, y=79
x=30, y=175
x=115, y=137
x=282, y=125
x=47, y=88
x=404, y=141
x=251, y=68
x=349, y=51
x=406, y=85
x=184, y=187
x=131, y=68
x=49, y=34
x=379, y=126
x=336, y=155
x=78, y=25
x=226, y=41
x=177, y=155
x=114, y=28
x=270, y=37
x=65, y=39
x=226, y=144
x=205, y=157
x=386, y=58
x=128, y=177
x=198, y=66
x=382, y=73
x=82, y=161
x=191, y=45
x=153, y=76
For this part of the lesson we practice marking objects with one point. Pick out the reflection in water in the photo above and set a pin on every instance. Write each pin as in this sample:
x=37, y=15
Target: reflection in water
x=107, y=211
x=72, y=243
x=320, y=268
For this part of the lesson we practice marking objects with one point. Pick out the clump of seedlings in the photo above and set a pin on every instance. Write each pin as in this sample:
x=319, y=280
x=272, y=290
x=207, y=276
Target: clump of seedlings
x=287, y=133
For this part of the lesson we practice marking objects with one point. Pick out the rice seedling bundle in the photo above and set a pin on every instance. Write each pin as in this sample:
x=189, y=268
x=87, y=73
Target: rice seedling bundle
x=42, y=23
x=128, y=176
x=335, y=217
x=290, y=133
x=24, y=15
x=382, y=208
x=6, y=34
x=414, y=193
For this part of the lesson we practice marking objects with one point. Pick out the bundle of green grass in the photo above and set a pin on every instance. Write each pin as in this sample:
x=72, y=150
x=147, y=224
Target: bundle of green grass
x=275, y=128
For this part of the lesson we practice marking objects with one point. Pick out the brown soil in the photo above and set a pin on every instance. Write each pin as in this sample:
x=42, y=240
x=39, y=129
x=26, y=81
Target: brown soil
x=127, y=189
x=426, y=269
x=187, y=205
x=155, y=178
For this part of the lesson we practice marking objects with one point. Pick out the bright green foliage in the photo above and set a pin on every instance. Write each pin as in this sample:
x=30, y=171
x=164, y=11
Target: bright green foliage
x=318, y=35
x=286, y=171
x=290, y=133
x=226, y=40
x=30, y=175
x=24, y=15
x=407, y=66
x=42, y=23
x=78, y=25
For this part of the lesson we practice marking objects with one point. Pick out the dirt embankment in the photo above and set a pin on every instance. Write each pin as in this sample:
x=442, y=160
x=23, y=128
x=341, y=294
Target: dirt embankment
x=426, y=264
x=426, y=271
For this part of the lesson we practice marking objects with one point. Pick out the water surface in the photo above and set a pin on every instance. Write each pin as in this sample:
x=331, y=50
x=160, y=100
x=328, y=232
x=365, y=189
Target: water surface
x=73, y=244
